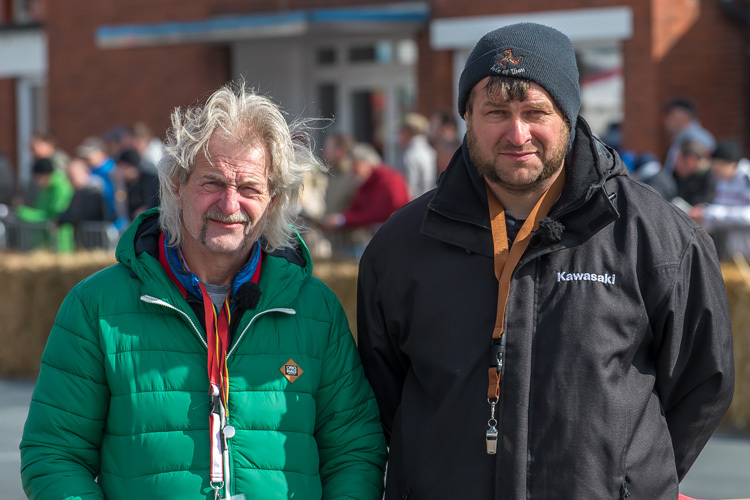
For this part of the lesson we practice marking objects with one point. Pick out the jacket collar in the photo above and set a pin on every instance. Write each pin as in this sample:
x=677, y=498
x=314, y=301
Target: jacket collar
x=458, y=213
x=283, y=272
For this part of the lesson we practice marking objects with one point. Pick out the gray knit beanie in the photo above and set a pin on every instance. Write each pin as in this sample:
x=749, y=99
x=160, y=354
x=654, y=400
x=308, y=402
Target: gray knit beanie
x=529, y=51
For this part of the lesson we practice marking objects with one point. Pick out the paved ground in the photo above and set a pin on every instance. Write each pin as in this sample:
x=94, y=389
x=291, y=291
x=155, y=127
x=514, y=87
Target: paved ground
x=721, y=472
x=14, y=405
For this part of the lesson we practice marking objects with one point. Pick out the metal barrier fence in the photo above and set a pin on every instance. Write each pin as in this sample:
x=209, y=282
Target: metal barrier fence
x=24, y=236
x=96, y=234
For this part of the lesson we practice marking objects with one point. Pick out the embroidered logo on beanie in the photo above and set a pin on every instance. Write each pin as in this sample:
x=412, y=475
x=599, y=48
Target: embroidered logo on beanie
x=505, y=63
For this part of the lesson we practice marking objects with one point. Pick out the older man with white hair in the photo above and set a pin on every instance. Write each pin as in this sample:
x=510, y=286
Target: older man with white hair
x=208, y=362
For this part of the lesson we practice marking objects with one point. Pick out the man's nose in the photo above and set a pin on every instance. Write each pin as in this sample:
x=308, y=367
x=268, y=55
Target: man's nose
x=230, y=200
x=518, y=132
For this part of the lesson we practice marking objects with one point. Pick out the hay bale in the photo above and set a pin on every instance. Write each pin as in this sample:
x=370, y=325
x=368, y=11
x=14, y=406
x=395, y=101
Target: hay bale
x=341, y=277
x=738, y=289
x=35, y=285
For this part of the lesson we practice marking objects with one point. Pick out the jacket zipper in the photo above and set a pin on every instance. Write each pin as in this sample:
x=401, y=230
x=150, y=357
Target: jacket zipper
x=153, y=300
x=229, y=456
x=284, y=310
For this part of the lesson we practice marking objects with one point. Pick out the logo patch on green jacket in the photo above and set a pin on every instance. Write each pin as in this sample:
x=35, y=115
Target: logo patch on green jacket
x=291, y=370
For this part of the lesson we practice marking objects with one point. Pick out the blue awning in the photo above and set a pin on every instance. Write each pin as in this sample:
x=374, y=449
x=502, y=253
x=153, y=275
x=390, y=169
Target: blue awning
x=402, y=17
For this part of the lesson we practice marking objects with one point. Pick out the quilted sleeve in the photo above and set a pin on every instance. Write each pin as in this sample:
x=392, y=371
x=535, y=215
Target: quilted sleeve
x=350, y=439
x=63, y=431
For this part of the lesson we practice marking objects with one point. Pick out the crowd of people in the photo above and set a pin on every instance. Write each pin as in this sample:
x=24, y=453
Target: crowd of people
x=80, y=201
x=706, y=178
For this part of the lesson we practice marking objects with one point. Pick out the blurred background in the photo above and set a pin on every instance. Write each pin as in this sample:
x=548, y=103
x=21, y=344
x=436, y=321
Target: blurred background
x=76, y=77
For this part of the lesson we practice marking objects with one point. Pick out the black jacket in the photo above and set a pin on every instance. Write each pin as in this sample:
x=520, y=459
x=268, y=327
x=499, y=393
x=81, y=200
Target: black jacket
x=619, y=351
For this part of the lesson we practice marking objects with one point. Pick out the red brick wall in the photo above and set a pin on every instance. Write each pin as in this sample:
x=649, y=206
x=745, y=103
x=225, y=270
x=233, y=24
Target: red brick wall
x=434, y=78
x=8, y=120
x=703, y=58
x=642, y=120
x=93, y=90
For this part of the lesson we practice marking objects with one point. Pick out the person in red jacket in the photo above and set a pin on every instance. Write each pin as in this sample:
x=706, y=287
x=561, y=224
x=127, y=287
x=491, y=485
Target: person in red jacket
x=382, y=191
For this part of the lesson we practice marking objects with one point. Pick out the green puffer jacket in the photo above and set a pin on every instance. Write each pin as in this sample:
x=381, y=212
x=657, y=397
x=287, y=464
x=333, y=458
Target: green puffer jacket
x=120, y=409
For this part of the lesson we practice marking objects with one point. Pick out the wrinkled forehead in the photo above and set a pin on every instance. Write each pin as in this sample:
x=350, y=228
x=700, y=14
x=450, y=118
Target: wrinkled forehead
x=225, y=144
x=233, y=159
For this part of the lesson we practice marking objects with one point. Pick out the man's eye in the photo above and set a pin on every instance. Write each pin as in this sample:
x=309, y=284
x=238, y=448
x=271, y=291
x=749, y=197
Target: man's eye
x=211, y=186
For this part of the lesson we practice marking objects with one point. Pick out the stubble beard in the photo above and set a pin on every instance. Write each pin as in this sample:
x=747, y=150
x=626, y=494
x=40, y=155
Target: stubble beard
x=552, y=162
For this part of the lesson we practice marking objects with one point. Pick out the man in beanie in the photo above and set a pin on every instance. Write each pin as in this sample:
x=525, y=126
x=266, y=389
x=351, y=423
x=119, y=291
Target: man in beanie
x=141, y=187
x=541, y=326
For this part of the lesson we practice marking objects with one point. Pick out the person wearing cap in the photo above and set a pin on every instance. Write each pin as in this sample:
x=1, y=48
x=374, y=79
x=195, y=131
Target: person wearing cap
x=419, y=161
x=680, y=117
x=541, y=326
x=727, y=216
x=208, y=362
x=141, y=187
x=695, y=182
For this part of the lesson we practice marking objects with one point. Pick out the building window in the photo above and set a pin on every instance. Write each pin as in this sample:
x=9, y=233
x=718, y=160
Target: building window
x=326, y=56
x=402, y=52
x=364, y=54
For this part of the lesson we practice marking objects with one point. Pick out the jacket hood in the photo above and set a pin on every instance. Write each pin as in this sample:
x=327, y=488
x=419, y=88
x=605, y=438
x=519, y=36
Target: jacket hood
x=282, y=271
x=581, y=182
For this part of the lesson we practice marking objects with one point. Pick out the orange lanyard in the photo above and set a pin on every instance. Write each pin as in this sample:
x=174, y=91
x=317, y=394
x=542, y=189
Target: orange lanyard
x=506, y=257
x=217, y=338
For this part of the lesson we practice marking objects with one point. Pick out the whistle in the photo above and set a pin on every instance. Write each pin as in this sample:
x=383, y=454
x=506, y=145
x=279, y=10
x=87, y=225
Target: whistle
x=492, y=440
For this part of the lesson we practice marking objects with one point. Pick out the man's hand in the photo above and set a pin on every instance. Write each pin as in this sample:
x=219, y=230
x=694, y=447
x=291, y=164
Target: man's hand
x=334, y=221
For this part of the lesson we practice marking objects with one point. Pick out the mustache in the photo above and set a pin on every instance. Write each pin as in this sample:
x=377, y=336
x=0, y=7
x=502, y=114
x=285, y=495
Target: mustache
x=237, y=217
x=518, y=149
